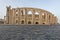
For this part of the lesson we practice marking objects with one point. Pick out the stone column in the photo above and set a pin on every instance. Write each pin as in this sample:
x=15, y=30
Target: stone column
x=46, y=18
x=40, y=17
x=18, y=16
x=25, y=16
x=14, y=16
x=10, y=17
x=55, y=20
x=7, y=14
x=32, y=16
x=50, y=18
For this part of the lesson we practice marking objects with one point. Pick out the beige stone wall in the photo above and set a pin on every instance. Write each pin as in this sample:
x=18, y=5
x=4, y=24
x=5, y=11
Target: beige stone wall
x=29, y=16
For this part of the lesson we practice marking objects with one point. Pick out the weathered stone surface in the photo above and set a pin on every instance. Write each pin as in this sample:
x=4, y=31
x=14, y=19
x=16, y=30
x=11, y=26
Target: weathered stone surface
x=29, y=32
x=31, y=16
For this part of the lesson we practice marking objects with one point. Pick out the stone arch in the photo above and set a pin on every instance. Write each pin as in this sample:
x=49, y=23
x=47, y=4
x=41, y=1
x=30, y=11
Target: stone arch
x=16, y=13
x=22, y=22
x=43, y=23
x=49, y=17
x=43, y=15
x=16, y=21
x=36, y=22
x=22, y=12
x=36, y=13
x=29, y=22
x=29, y=12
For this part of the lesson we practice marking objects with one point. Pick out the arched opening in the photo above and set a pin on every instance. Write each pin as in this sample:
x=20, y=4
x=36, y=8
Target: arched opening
x=29, y=12
x=22, y=12
x=36, y=13
x=36, y=23
x=16, y=21
x=43, y=15
x=16, y=13
x=43, y=23
x=29, y=22
x=22, y=22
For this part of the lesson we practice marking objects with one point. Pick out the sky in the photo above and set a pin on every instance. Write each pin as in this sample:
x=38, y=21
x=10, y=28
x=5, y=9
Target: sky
x=52, y=6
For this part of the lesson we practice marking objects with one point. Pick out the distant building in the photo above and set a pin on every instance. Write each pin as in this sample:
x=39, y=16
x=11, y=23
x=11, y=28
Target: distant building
x=1, y=21
x=29, y=16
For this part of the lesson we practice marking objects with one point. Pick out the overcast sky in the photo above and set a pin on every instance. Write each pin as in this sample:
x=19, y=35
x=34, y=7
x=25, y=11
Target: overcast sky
x=50, y=5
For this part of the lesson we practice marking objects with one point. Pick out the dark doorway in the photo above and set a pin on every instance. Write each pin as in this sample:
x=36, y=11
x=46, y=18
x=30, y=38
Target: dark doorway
x=29, y=22
x=36, y=23
x=22, y=22
x=43, y=23
x=16, y=21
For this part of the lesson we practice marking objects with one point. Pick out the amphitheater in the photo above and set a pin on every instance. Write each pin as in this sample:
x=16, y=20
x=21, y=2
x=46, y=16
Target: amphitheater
x=26, y=15
x=32, y=16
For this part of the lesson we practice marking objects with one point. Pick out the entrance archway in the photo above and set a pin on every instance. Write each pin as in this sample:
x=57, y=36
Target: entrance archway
x=29, y=22
x=36, y=23
x=43, y=23
x=22, y=22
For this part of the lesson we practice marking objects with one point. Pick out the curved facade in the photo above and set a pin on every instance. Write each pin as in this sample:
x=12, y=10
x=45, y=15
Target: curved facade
x=29, y=16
